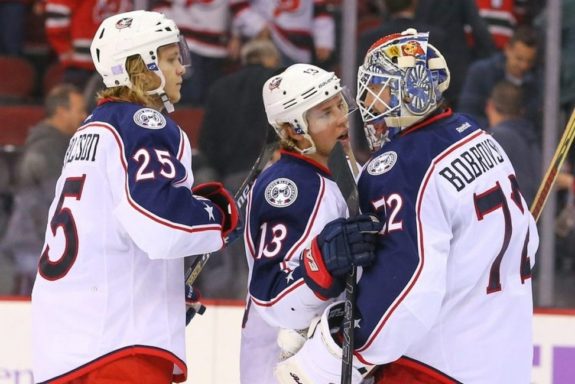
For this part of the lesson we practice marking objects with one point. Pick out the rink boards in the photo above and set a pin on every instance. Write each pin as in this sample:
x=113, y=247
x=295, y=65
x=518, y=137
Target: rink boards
x=213, y=344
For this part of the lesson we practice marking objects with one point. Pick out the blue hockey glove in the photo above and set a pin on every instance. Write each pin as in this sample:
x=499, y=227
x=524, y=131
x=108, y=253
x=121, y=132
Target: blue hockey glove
x=341, y=245
x=193, y=304
x=220, y=196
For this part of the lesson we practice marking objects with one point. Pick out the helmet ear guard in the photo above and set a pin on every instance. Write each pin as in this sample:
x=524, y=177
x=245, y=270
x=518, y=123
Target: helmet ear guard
x=422, y=75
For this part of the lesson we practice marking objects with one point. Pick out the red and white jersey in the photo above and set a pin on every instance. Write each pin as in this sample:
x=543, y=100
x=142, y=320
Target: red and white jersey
x=204, y=23
x=289, y=205
x=110, y=280
x=450, y=289
x=501, y=17
x=71, y=25
x=296, y=26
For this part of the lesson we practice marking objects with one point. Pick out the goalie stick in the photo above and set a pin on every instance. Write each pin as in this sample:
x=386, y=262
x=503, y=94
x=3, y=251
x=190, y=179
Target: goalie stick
x=340, y=169
x=240, y=197
x=553, y=169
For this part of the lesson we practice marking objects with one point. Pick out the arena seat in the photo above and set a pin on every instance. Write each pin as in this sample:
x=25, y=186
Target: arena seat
x=190, y=120
x=53, y=76
x=18, y=80
x=16, y=121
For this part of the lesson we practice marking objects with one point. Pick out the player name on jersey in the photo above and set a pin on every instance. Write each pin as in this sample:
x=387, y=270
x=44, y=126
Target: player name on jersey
x=472, y=163
x=82, y=147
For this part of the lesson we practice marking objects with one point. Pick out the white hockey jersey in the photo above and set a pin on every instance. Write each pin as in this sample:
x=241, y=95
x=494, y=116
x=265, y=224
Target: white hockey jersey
x=110, y=280
x=204, y=24
x=295, y=26
x=450, y=289
x=288, y=206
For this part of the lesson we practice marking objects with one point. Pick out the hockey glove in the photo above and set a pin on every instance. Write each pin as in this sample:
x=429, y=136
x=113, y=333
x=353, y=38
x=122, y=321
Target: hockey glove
x=319, y=360
x=193, y=304
x=341, y=245
x=220, y=196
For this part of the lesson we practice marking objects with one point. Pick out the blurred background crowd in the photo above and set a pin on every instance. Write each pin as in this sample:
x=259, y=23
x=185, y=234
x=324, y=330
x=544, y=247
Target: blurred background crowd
x=495, y=50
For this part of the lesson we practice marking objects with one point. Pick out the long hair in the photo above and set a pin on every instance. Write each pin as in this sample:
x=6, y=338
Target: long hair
x=142, y=80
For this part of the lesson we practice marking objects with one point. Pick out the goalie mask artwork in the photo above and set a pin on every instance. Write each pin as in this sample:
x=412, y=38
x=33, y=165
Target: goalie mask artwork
x=400, y=82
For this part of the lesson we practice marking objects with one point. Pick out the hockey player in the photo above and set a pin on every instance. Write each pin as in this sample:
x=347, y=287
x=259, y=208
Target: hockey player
x=291, y=202
x=108, y=301
x=448, y=297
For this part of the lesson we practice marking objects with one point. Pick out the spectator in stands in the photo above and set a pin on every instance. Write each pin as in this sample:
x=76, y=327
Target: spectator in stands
x=205, y=25
x=38, y=170
x=232, y=134
x=452, y=16
x=400, y=16
x=303, y=31
x=12, y=22
x=70, y=27
x=517, y=65
x=517, y=135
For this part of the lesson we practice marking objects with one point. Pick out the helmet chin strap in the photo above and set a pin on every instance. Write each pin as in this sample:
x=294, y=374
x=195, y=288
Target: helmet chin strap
x=162, y=93
x=310, y=150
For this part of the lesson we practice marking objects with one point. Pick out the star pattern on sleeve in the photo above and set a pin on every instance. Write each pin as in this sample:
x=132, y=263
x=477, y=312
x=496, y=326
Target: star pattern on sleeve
x=210, y=211
x=289, y=277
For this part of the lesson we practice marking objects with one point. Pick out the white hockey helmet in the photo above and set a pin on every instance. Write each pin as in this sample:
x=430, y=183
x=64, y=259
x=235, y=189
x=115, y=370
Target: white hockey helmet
x=135, y=33
x=410, y=72
x=289, y=95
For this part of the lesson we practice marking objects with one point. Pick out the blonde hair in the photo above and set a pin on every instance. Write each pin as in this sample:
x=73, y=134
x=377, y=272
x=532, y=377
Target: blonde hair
x=142, y=80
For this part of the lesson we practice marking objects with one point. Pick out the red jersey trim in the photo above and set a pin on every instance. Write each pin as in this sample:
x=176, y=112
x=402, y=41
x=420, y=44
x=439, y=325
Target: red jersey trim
x=448, y=112
x=120, y=353
x=322, y=167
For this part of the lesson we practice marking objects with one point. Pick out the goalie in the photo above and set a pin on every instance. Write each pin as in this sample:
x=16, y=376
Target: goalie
x=448, y=296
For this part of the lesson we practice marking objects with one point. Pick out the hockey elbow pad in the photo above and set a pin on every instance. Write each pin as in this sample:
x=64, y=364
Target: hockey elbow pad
x=220, y=196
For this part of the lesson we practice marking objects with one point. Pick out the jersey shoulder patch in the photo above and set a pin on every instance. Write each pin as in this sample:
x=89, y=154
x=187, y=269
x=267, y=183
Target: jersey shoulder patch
x=149, y=118
x=382, y=163
x=281, y=192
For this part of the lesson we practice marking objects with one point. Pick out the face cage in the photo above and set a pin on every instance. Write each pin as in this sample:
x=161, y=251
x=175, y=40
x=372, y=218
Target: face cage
x=376, y=131
x=369, y=113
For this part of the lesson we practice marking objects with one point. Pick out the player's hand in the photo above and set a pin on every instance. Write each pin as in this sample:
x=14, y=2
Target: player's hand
x=193, y=304
x=341, y=245
x=220, y=196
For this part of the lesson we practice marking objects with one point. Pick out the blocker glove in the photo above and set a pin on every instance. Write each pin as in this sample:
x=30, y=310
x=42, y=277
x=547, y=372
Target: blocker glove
x=220, y=196
x=341, y=245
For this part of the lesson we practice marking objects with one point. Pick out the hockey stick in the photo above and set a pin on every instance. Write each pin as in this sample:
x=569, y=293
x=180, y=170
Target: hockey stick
x=553, y=169
x=240, y=198
x=345, y=181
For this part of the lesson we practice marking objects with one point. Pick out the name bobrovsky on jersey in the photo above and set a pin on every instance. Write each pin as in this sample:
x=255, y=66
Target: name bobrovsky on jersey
x=82, y=147
x=472, y=163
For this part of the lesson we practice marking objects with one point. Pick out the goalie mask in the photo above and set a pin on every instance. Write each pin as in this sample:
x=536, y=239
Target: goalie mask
x=400, y=82
x=135, y=33
x=291, y=94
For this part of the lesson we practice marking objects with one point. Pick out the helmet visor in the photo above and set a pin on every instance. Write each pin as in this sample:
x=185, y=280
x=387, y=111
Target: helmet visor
x=185, y=56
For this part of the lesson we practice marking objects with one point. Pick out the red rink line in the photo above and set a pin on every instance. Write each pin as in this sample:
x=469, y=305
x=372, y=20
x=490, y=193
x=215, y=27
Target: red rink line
x=241, y=303
x=206, y=302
